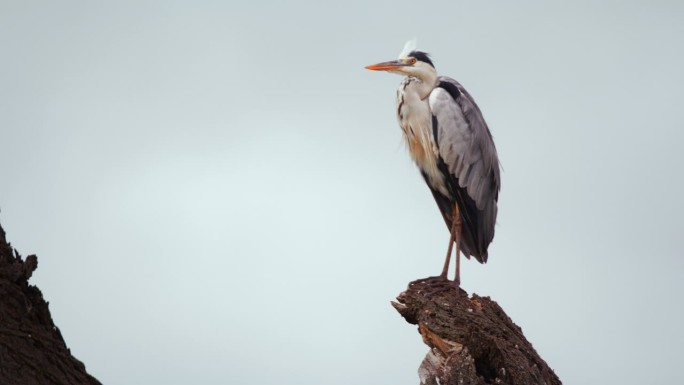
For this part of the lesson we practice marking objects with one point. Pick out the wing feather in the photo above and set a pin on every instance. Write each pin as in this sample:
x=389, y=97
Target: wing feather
x=467, y=150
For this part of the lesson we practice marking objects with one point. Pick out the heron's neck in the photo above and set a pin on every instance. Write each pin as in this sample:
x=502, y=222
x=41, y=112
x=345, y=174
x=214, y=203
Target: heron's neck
x=424, y=85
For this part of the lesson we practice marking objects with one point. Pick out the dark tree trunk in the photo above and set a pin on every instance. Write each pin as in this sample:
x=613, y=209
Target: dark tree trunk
x=32, y=350
x=472, y=341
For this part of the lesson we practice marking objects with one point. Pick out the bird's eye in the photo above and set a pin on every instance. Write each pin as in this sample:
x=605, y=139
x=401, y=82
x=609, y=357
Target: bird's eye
x=412, y=60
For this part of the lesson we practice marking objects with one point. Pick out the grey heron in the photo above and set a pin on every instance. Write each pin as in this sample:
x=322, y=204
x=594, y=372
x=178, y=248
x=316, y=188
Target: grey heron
x=452, y=146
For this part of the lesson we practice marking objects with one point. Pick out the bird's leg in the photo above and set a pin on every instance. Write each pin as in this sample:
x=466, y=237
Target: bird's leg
x=452, y=238
x=456, y=233
x=455, y=237
x=441, y=282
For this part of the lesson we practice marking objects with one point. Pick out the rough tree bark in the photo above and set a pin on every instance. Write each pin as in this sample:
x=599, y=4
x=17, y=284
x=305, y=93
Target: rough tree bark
x=472, y=341
x=32, y=350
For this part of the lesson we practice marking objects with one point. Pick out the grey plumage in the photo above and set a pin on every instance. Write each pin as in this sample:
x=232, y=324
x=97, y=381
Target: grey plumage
x=466, y=147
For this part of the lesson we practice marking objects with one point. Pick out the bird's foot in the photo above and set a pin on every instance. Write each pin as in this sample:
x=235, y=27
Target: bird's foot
x=436, y=284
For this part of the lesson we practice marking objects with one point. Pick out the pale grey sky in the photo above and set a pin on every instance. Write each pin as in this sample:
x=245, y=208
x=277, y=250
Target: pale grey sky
x=218, y=193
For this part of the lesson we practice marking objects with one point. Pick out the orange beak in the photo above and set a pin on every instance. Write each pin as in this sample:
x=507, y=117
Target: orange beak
x=387, y=66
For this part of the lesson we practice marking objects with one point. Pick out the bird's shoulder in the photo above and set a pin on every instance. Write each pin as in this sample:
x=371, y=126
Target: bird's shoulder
x=452, y=104
x=451, y=86
x=447, y=111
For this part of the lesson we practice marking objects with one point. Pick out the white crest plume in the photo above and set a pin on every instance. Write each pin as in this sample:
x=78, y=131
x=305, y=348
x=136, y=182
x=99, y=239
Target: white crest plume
x=408, y=47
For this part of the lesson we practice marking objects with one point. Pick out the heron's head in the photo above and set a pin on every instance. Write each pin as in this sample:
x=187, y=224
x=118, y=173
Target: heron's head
x=414, y=63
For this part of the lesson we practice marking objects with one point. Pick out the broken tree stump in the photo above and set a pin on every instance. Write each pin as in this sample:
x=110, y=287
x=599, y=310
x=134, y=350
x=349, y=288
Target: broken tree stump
x=32, y=350
x=472, y=341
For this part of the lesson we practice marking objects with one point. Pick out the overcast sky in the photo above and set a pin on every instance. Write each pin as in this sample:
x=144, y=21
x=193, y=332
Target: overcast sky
x=219, y=193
